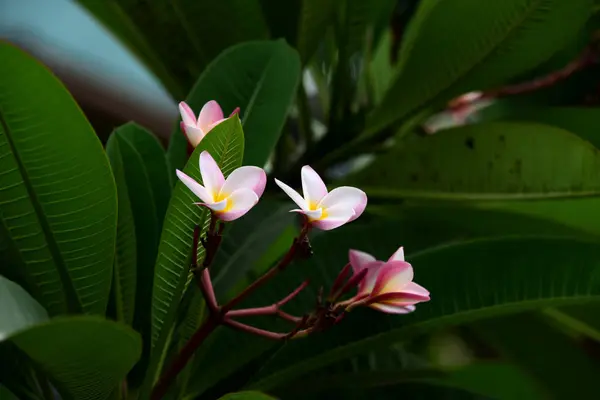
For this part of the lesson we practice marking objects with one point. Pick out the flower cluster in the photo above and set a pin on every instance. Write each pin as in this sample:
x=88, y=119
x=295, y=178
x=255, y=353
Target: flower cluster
x=384, y=286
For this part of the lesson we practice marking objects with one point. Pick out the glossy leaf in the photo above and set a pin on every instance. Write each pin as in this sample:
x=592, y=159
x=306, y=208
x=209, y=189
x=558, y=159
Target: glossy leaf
x=260, y=78
x=125, y=264
x=489, y=45
x=496, y=277
x=19, y=310
x=177, y=58
x=226, y=144
x=58, y=213
x=493, y=160
x=85, y=357
x=316, y=16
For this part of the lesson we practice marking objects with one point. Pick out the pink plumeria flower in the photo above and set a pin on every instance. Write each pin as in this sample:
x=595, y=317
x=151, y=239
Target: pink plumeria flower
x=210, y=116
x=228, y=198
x=387, y=286
x=326, y=210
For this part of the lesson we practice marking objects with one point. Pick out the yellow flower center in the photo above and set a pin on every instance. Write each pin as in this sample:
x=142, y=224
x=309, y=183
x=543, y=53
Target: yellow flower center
x=221, y=197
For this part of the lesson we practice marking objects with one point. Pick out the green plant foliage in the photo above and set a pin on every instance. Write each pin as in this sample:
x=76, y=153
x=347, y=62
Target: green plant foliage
x=84, y=357
x=58, y=214
x=125, y=265
x=19, y=310
x=247, y=396
x=494, y=160
x=449, y=50
x=263, y=89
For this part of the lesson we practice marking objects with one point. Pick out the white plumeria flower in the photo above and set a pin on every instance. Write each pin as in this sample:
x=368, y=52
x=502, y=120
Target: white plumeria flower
x=228, y=198
x=210, y=116
x=387, y=286
x=326, y=210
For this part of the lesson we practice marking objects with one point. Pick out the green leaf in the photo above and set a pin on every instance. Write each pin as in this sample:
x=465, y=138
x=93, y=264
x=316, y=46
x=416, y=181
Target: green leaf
x=19, y=310
x=496, y=277
x=125, y=264
x=248, y=395
x=86, y=357
x=260, y=78
x=488, y=45
x=524, y=340
x=315, y=18
x=177, y=58
x=148, y=187
x=226, y=144
x=493, y=160
x=58, y=213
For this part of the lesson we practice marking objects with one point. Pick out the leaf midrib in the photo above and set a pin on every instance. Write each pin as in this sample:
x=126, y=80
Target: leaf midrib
x=70, y=295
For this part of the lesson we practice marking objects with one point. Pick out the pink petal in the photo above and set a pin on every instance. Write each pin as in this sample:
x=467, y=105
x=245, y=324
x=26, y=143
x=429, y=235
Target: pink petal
x=187, y=115
x=313, y=187
x=398, y=255
x=389, y=309
x=335, y=217
x=215, y=124
x=398, y=298
x=292, y=193
x=311, y=214
x=210, y=113
x=358, y=260
x=235, y=111
x=193, y=134
x=368, y=283
x=252, y=178
x=393, y=277
x=415, y=288
x=212, y=177
x=194, y=186
x=240, y=202
x=346, y=196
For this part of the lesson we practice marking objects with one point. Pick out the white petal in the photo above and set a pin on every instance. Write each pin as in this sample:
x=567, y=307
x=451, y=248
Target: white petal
x=212, y=177
x=398, y=255
x=240, y=202
x=391, y=309
x=194, y=135
x=218, y=206
x=210, y=113
x=195, y=187
x=187, y=115
x=313, y=187
x=292, y=193
x=358, y=259
x=335, y=217
x=252, y=178
x=346, y=196
x=311, y=214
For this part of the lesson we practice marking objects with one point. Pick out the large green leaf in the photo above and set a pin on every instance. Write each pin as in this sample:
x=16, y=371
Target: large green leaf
x=493, y=160
x=450, y=50
x=315, y=18
x=58, y=213
x=249, y=395
x=125, y=265
x=226, y=144
x=168, y=37
x=85, y=357
x=258, y=77
x=468, y=282
x=19, y=310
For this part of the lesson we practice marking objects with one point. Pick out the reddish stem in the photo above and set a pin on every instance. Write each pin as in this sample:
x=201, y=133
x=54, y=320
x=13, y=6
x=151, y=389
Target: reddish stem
x=254, y=330
x=208, y=292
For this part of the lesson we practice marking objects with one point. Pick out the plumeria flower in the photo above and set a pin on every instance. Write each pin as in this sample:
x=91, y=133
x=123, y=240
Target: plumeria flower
x=326, y=210
x=228, y=198
x=387, y=286
x=210, y=116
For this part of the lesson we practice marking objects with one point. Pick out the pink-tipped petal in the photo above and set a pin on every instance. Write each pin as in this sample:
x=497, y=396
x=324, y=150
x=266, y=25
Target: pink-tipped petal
x=212, y=177
x=210, y=113
x=215, y=124
x=195, y=187
x=348, y=197
x=393, y=277
x=311, y=214
x=235, y=111
x=313, y=187
x=390, y=309
x=398, y=298
x=398, y=255
x=415, y=288
x=359, y=259
x=187, y=115
x=335, y=217
x=249, y=177
x=368, y=283
x=240, y=202
x=292, y=193
x=217, y=207
x=194, y=135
